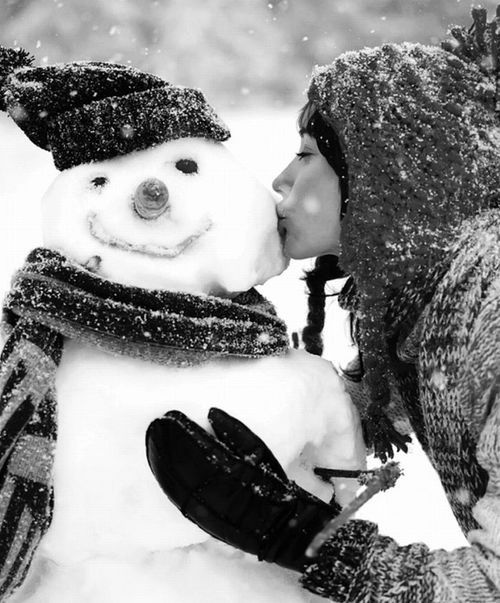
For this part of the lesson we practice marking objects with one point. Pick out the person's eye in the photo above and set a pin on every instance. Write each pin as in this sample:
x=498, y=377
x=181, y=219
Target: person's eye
x=303, y=154
x=187, y=166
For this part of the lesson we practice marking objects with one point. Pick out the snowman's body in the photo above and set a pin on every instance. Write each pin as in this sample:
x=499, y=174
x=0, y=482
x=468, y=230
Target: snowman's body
x=114, y=535
x=109, y=510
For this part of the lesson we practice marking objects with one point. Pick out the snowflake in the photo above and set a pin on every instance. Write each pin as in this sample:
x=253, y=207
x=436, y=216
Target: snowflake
x=18, y=113
x=462, y=495
x=438, y=379
x=264, y=338
x=127, y=131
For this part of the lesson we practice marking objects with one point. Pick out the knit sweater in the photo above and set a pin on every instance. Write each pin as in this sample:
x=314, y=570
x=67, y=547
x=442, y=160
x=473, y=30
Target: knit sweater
x=447, y=375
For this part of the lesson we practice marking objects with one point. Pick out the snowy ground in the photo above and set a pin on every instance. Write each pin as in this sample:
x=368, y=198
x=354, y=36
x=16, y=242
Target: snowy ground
x=416, y=509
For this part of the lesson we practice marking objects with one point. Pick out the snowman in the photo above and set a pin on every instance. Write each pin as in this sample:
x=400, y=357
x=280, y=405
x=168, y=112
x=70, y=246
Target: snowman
x=140, y=302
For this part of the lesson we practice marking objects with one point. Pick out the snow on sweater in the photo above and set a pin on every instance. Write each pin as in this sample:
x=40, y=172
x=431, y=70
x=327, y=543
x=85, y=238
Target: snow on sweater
x=448, y=376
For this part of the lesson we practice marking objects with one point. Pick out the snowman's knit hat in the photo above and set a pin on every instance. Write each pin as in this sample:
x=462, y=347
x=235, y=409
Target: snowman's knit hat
x=91, y=111
x=422, y=142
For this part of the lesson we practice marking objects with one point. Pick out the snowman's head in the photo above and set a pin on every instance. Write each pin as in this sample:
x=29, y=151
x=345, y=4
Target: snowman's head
x=182, y=215
x=148, y=196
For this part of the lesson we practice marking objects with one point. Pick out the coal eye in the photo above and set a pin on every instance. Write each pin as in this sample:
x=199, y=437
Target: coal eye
x=99, y=181
x=187, y=166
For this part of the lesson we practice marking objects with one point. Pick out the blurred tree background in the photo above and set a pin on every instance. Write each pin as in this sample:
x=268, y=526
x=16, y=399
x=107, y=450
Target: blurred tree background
x=241, y=53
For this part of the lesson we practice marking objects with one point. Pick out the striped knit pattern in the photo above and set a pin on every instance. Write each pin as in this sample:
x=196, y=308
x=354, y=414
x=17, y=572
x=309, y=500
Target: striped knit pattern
x=27, y=437
x=449, y=383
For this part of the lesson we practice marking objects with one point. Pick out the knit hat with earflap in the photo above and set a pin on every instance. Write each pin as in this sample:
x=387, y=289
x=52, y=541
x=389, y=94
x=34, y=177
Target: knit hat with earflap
x=422, y=142
x=91, y=111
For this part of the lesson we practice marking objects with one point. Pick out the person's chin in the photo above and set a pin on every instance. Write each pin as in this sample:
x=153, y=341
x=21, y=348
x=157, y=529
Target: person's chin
x=294, y=249
x=296, y=253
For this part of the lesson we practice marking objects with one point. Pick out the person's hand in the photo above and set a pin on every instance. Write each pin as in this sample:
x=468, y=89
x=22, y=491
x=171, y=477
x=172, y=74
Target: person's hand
x=232, y=486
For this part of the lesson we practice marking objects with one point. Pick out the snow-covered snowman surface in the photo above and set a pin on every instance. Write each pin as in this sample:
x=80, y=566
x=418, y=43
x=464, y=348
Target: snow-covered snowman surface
x=182, y=216
x=133, y=309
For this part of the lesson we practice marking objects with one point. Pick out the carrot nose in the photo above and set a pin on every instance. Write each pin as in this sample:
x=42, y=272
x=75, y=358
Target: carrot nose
x=151, y=199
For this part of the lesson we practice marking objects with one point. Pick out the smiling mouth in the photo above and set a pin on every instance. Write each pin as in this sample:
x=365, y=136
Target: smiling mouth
x=98, y=231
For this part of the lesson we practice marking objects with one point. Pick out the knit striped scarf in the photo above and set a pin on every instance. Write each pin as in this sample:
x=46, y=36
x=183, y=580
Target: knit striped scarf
x=52, y=298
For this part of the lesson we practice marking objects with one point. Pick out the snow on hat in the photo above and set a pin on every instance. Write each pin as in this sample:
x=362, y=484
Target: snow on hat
x=421, y=137
x=91, y=111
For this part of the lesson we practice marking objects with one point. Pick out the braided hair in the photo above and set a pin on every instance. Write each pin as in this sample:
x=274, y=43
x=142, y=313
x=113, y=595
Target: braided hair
x=326, y=267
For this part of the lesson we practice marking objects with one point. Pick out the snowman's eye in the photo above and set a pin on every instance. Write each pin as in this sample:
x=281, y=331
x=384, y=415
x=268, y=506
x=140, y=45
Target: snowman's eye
x=187, y=166
x=99, y=181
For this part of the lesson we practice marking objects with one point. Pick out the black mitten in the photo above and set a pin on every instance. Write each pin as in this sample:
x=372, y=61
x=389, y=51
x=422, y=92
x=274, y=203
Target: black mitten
x=232, y=486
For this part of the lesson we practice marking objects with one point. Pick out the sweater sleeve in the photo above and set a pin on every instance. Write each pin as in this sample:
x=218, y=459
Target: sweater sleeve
x=359, y=565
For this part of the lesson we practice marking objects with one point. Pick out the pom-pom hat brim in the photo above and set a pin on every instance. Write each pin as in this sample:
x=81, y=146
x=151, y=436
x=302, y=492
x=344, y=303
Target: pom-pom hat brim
x=119, y=125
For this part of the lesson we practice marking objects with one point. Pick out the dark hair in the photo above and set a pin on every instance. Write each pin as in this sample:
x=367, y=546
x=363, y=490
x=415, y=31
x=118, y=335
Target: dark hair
x=310, y=121
x=326, y=267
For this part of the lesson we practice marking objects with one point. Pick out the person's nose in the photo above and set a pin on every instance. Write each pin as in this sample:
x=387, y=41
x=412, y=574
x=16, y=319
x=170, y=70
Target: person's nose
x=284, y=180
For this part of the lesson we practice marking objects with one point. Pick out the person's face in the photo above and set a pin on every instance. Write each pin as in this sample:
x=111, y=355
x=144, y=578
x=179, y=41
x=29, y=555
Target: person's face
x=309, y=212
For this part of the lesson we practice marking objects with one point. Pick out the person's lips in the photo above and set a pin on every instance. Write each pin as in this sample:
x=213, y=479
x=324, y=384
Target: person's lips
x=282, y=227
